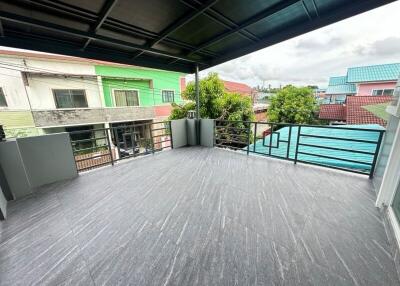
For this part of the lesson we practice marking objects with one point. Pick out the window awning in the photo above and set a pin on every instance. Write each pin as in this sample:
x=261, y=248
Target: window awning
x=172, y=35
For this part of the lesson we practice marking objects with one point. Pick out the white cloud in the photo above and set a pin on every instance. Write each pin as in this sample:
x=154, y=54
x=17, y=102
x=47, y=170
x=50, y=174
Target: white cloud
x=369, y=38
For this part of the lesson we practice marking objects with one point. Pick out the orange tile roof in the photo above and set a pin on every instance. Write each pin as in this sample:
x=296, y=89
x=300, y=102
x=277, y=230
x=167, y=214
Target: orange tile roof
x=238, y=87
x=333, y=112
x=358, y=115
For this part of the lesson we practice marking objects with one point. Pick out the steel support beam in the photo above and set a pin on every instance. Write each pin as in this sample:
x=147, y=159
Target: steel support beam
x=86, y=35
x=222, y=20
x=197, y=90
x=179, y=23
x=111, y=23
x=252, y=20
x=105, y=11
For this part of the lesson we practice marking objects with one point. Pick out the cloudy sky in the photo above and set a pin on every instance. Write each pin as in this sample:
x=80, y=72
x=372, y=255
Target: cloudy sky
x=369, y=38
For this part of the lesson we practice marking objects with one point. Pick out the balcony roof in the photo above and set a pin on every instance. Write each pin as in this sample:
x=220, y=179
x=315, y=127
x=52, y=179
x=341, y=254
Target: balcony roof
x=171, y=35
x=197, y=216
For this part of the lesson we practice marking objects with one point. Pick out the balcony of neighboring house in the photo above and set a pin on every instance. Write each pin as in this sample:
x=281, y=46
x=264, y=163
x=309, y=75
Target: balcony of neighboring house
x=72, y=108
x=181, y=214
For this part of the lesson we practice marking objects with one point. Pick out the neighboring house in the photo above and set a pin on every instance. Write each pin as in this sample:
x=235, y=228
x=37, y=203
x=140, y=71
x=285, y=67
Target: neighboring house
x=349, y=97
x=41, y=94
x=374, y=80
x=338, y=89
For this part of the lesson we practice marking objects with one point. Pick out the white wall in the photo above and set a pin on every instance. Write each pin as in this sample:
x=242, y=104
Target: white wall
x=40, y=90
x=11, y=82
x=40, y=86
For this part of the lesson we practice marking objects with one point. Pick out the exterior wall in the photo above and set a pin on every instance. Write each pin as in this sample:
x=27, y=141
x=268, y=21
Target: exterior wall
x=149, y=82
x=365, y=89
x=85, y=116
x=13, y=87
x=40, y=90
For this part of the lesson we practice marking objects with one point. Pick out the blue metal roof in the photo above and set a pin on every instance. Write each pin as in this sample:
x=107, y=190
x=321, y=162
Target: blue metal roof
x=385, y=72
x=337, y=80
x=342, y=89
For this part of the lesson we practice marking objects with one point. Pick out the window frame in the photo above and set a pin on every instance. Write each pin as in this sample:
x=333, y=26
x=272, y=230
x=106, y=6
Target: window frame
x=5, y=99
x=383, y=91
x=69, y=89
x=173, y=96
x=125, y=89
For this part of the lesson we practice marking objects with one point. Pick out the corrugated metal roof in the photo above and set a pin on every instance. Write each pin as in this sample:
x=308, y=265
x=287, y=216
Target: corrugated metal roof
x=385, y=72
x=337, y=80
x=342, y=89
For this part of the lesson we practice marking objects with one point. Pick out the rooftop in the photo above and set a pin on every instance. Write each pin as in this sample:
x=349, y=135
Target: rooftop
x=384, y=72
x=237, y=87
x=332, y=112
x=342, y=89
x=207, y=216
x=356, y=114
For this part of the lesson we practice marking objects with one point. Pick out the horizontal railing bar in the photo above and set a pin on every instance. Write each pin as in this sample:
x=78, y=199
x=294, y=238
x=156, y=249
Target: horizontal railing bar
x=88, y=140
x=231, y=141
x=90, y=148
x=335, y=158
x=231, y=127
x=334, y=167
x=305, y=125
x=274, y=156
x=164, y=128
x=338, y=138
x=338, y=149
x=94, y=157
x=87, y=131
x=160, y=135
x=168, y=140
x=231, y=134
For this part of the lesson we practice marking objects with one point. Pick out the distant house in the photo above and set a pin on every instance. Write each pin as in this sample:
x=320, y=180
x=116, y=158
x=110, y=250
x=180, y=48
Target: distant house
x=238, y=87
x=338, y=89
x=351, y=98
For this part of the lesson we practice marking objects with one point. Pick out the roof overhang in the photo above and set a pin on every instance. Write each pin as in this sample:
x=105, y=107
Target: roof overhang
x=172, y=35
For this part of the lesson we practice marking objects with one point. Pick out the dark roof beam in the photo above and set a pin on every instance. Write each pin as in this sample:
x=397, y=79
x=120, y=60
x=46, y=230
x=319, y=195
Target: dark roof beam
x=252, y=20
x=104, y=12
x=315, y=8
x=179, y=23
x=222, y=20
x=110, y=22
x=81, y=34
x=306, y=10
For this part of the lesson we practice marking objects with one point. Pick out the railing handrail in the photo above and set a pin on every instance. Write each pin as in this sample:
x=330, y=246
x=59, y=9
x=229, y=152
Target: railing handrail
x=118, y=127
x=342, y=127
x=224, y=137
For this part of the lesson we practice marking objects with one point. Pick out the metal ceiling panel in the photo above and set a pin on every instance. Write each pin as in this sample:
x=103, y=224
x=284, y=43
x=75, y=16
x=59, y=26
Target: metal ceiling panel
x=173, y=35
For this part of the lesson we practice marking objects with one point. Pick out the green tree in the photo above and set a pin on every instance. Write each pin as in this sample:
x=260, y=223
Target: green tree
x=215, y=102
x=292, y=105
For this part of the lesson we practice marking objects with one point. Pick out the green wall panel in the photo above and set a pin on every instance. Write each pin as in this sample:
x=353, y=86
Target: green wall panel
x=148, y=82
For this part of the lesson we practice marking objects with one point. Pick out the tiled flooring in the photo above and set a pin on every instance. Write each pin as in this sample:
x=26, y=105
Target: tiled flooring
x=199, y=216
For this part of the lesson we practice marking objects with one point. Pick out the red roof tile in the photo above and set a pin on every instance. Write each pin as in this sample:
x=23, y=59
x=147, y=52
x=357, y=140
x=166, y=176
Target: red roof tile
x=238, y=87
x=358, y=115
x=332, y=112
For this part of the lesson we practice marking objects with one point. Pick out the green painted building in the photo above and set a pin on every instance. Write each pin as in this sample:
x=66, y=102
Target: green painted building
x=138, y=86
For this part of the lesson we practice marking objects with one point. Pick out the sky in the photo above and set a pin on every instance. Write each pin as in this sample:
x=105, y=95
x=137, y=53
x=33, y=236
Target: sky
x=310, y=59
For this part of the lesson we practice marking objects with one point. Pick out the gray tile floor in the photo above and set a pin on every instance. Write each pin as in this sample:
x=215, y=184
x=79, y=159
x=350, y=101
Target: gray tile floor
x=198, y=216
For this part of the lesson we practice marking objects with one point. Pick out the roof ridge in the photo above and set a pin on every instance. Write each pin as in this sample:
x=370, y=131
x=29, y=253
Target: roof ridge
x=377, y=65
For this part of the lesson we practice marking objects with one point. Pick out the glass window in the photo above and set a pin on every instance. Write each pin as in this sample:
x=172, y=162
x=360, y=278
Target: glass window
x=168, y=96
x=340, y=99
x=388, y=91
x=3, y=102
x=126, y=97
x=377, y=91
x=70, y=98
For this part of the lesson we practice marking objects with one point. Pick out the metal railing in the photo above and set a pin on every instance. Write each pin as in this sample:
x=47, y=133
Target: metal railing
x=344, y=148
x=94, y=148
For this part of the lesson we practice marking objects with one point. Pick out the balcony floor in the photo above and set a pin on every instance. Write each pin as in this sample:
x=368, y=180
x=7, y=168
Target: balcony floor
x=199, y=216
